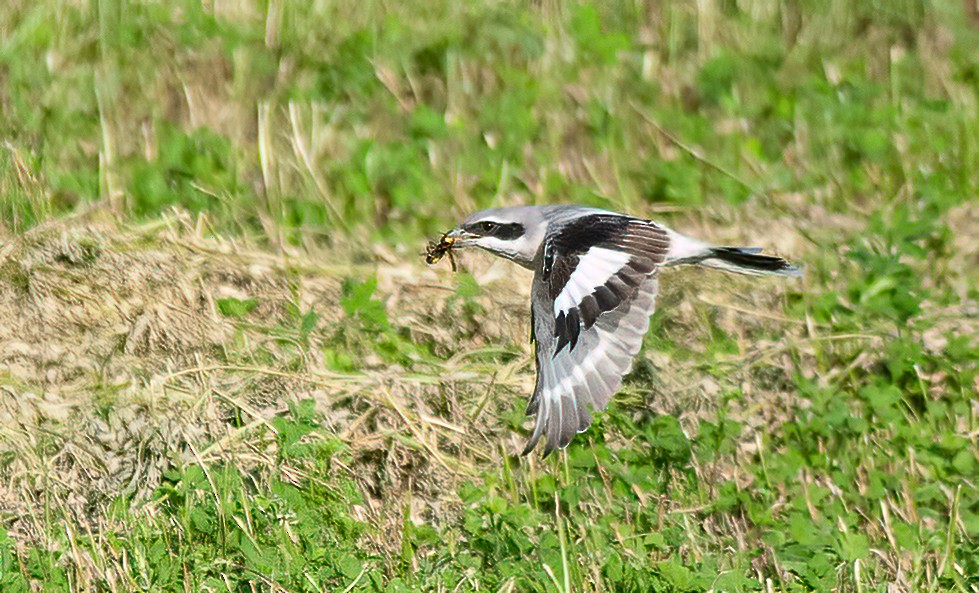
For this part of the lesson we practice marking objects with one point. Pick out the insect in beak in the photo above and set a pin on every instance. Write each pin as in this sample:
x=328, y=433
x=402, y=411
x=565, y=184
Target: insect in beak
x=436, y=251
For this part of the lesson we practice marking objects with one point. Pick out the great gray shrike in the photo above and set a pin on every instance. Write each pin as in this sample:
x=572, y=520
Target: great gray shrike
x=594, y=289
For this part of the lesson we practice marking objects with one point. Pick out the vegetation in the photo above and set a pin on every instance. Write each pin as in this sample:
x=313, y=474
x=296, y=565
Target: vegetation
x=224, y=367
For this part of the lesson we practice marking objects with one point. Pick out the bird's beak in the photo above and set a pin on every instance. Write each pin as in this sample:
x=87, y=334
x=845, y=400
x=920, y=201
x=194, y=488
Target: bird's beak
x=460, y=236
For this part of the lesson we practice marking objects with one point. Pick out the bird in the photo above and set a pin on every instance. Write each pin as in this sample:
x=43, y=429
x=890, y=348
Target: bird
x=596, y=276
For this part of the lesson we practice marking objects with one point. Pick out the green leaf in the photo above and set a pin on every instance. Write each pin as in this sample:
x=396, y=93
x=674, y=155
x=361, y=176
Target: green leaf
x=667, y=442
x=232, y=307
x=202, y=519
x=308, y=323
x=854, y=546
x=349, y=565
x=883, y=400
x=358, y=303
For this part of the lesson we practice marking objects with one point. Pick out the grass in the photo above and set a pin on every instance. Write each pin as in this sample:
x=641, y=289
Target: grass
x=225, y=368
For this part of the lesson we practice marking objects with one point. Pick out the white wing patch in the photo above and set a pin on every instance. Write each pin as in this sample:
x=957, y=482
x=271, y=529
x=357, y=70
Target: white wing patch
x=592, y=298
x=594, y=269
x=576, y=383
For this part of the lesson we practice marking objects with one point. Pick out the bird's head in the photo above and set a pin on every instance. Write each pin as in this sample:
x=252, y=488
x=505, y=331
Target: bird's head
x=513, y=233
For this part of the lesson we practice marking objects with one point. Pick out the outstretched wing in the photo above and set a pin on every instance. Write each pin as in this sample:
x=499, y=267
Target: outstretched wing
x=592, y=298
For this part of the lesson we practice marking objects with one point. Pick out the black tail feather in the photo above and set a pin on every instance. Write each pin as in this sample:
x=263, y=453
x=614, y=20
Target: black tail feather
x=750, y=260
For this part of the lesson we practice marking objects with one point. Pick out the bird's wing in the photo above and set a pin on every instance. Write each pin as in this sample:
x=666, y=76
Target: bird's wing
x=593, y=294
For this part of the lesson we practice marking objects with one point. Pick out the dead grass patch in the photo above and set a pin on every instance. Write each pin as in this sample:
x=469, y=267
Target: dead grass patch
x=118, y=365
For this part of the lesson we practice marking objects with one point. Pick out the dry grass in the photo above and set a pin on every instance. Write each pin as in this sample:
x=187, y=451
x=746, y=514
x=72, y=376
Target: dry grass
x=119, y=365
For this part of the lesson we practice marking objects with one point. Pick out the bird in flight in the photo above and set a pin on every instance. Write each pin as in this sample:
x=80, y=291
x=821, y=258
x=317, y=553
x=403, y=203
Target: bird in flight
x=594, y=289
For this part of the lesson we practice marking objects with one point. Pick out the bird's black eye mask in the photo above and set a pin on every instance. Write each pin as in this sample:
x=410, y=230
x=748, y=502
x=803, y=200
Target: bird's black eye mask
x=506, y=231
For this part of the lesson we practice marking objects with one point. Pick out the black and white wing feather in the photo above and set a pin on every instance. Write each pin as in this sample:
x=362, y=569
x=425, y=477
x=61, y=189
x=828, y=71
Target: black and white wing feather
x=593, y=293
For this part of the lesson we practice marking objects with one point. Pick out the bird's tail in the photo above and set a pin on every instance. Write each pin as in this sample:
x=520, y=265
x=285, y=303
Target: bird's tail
x=748, y=260
x=741, y=260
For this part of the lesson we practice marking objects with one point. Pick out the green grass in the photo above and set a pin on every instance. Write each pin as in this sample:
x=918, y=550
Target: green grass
x=295, y=121
x=806, y=437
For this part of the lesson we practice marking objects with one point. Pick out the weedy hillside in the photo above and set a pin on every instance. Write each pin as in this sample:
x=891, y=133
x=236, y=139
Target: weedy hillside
x=225, y=367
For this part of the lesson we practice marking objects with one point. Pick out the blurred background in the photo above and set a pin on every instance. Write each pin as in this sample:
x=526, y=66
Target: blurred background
x=224, y=366
x=296, y=121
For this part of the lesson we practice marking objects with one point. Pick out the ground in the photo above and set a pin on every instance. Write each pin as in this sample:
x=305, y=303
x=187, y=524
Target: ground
x=224, y=365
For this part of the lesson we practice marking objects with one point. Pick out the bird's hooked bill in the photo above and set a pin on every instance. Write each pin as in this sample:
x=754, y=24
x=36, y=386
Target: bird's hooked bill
x=459, y=234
